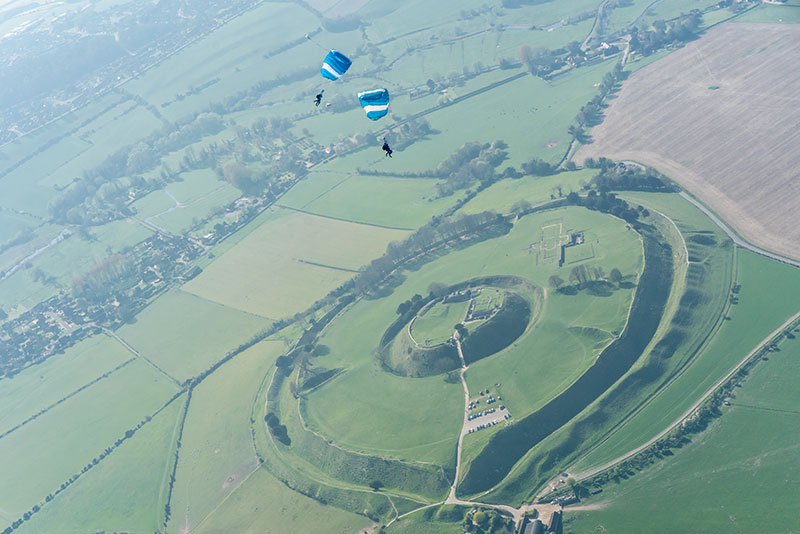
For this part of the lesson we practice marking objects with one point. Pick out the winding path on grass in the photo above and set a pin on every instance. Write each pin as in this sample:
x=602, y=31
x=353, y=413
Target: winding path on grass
x=690, y=411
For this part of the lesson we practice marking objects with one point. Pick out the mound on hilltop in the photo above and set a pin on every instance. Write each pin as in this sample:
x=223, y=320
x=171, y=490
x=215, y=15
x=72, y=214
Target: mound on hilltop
x=405, y=358
x=500, y=331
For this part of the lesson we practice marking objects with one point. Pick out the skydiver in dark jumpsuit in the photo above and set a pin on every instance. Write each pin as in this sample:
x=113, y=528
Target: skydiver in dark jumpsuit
x=386, y=148
x=318, y=98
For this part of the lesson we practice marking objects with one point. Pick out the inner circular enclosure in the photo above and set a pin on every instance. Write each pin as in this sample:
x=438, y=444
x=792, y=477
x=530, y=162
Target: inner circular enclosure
x=435, y=323
x=488, y=318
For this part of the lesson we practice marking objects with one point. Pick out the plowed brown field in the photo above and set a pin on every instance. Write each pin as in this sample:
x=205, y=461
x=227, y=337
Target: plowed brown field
x=722, y=118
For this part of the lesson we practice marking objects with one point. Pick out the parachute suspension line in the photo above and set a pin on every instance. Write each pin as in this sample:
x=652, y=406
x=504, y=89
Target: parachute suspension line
x=316, y=43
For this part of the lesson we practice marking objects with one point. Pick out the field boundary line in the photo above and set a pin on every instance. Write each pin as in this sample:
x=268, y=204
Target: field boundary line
x=325, y=266
x=362, y=223
x=136, y=353
x=43, y=411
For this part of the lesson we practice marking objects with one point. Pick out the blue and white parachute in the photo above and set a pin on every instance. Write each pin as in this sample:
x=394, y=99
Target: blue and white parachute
x=335, y=65
x=375, y=103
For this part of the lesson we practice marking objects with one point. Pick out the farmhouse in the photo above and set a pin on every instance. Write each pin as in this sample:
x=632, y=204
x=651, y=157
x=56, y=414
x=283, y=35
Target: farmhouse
x=534, y=526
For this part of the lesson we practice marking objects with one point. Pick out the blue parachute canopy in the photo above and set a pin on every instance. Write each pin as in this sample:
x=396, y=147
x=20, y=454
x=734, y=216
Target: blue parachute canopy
x=375, y=103
x=335, y=65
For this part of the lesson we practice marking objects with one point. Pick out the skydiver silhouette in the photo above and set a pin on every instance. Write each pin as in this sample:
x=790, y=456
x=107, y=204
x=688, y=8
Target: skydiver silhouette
x=318, y=98
x=386, y=148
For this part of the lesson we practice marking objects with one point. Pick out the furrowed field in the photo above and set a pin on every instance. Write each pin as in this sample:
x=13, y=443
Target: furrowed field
x=719, y=159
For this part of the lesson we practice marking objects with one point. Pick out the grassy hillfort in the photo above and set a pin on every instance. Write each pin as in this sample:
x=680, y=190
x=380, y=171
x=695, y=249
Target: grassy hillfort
x=223, y=309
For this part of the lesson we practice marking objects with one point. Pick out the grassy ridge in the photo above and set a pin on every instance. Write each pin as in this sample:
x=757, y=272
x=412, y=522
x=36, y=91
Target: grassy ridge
x=425, y=480
x=751, y=473
x=498, y=332
x=510, y=444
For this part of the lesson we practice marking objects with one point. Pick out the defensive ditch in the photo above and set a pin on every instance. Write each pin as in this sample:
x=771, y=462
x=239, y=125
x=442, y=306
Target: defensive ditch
x=510, y=444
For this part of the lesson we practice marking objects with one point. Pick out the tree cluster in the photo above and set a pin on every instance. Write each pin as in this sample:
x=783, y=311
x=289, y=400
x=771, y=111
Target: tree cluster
x=622, y=177
x=663, y=33
x=277, y=430
x=470, y=163
x=591, y=113
x=607, y=203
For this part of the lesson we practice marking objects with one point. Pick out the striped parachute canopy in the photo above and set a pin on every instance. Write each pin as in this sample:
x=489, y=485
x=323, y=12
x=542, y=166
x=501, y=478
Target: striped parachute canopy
x=375, y=103
x=335, y=65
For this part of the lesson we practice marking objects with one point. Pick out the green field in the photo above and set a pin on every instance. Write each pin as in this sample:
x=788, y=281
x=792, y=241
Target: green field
x=249, y=510
x=364, y=198
x=233, y=54
x=48, y=451
x=180, y=205
x=125, y=492
x=77, y=254
x=216, y=454
x=436, y=324
x=287, y=263
x=185, y=335
x=726, y=478
x=788, y=14
x=40, y=386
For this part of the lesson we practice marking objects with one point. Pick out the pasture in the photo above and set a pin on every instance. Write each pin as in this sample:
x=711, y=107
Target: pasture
x=289, y=262
x=185, y=335
x=48, y=451
x=503, y=195
x=228, y=60
x=726, y=477
x=125, y=492
x=655, y=121
x=180, y=205
x=78, y=253
x=216, y=453
x=387, y=201
x=248, y=511
x=40, y=386
x=773, y=14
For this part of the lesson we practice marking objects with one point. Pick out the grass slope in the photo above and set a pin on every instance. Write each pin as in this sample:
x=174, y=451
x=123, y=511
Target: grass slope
x=740, y=474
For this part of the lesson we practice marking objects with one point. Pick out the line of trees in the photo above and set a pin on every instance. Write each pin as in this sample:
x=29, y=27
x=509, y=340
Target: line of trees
x=591, y=113
x=433, y=234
